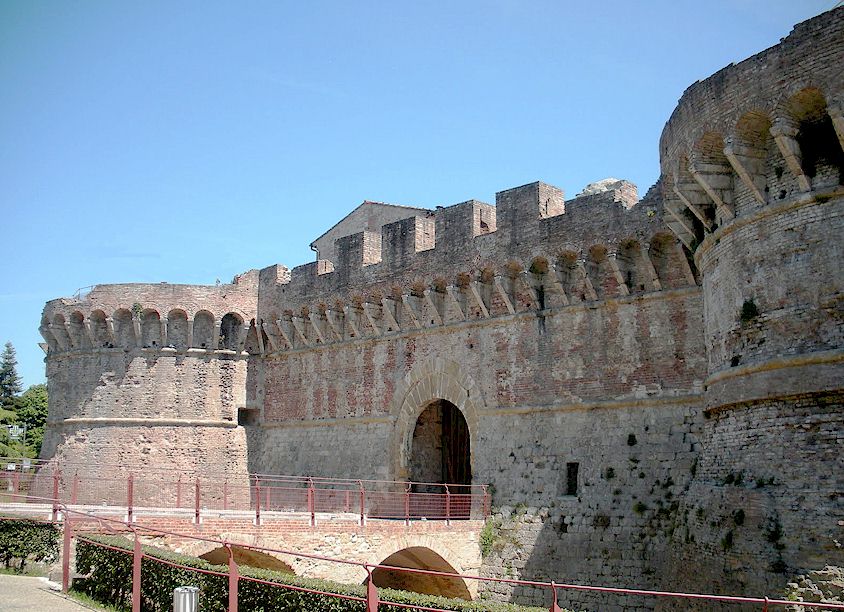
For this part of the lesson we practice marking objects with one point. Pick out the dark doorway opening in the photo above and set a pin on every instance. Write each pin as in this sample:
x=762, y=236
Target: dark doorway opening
x=440, y=448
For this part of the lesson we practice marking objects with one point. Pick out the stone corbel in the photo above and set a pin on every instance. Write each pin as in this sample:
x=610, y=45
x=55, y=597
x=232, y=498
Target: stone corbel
x=62, y=339
x=274, y=348
x=411, y=304
x=335, y=321
x=317, y=323
x=694, y=207
x=285, y=327
x=706, y=176
x=259, y=336
x=553, y=278
x=507, y=290
x=527, y=279
x=835, y=108
x=649, y=267
x=436, y=302
x=478, y=289
x=784, y=132
x=299, y=326
x=612, y=260
x=215, y=340
x=241, y=337
x=589, y=289
x=742, y=163
x=370, y=310
x=389, y=310
x=90, y=332
x=136, y=327
x=352, y=317
x=45, y=332
x=680, y=219
x=458, y=296
x=190, y=333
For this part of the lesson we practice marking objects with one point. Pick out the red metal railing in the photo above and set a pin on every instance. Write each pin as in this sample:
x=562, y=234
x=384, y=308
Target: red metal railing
x=74, y=522
x=142, y=488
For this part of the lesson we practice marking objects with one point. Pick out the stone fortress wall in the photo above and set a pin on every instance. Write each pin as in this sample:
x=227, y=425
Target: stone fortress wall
x=753, y=161
x=149, y=375
x=651, y=388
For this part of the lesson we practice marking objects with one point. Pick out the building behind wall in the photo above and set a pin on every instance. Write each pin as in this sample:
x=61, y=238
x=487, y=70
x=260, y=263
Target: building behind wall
x=653, y=387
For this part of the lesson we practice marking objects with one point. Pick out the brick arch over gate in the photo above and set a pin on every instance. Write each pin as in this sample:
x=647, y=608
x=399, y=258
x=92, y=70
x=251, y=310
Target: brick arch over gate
x=439, y=379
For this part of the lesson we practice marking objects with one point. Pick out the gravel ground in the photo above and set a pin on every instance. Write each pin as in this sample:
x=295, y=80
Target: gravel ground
x=26, y=594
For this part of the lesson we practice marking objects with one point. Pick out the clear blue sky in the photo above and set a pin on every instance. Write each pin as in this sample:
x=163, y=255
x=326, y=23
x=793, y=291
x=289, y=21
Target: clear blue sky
x=190, y=141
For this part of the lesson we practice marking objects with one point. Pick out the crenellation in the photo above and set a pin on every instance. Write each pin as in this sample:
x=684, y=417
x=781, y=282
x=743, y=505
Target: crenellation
x=519, y=209
x=402, y=240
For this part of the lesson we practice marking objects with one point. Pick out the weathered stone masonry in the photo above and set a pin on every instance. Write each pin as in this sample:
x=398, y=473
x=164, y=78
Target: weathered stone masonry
x=652, y=388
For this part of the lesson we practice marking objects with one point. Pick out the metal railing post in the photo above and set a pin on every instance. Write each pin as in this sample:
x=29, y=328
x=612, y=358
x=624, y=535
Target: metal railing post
x=371, y=592
x=233, y=580
x=257, y=501
x=137, y=556
x=196, y=504
x=311, y=501
x=447, y=506
x=486, y=502
x=362, y=504
x=407, y=504
x=555, y=607
x=56, y=478
x=66, y=536
x=130, y=494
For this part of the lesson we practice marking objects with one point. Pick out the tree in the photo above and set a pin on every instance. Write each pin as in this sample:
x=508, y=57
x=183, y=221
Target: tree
x=31, y=409
x=26, y=410
x=10, y=382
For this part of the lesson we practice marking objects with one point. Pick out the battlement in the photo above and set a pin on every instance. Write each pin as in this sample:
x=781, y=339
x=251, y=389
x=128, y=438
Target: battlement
x=468, y=261
x=769, y=129
x=153, y=316
x=525, y=219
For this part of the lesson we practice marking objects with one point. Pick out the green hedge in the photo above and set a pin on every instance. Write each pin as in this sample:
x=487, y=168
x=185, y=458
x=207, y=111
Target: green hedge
x=24, y=540
x=111, y=582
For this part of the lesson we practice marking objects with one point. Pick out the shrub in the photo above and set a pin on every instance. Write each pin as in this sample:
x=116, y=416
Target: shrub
x=111, y=581
x=749, y=311
x=26, y=540
x=486, y=540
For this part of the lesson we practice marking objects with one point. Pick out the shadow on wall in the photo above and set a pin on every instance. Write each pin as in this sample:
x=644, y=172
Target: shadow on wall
x=247, y=557
x=419, y=557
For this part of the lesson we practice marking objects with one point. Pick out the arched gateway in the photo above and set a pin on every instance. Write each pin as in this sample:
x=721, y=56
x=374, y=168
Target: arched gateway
x=435, y=408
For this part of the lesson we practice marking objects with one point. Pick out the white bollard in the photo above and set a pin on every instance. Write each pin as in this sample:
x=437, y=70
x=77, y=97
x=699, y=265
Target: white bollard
x=186, y=599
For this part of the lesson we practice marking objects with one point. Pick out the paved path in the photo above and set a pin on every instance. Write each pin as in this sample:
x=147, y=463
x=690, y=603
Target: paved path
x=26, y=594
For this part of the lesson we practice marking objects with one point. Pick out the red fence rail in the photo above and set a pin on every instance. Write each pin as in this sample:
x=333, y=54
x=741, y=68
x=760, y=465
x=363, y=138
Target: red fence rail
x=137, y=488
x=72, y=520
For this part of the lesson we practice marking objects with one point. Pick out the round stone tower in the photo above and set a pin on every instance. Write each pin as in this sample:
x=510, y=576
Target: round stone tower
x=753, y=165
x=150, y=376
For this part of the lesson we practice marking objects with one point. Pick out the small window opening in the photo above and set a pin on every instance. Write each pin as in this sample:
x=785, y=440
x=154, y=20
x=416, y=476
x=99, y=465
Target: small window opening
x=571, y=478
x=247, y=417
